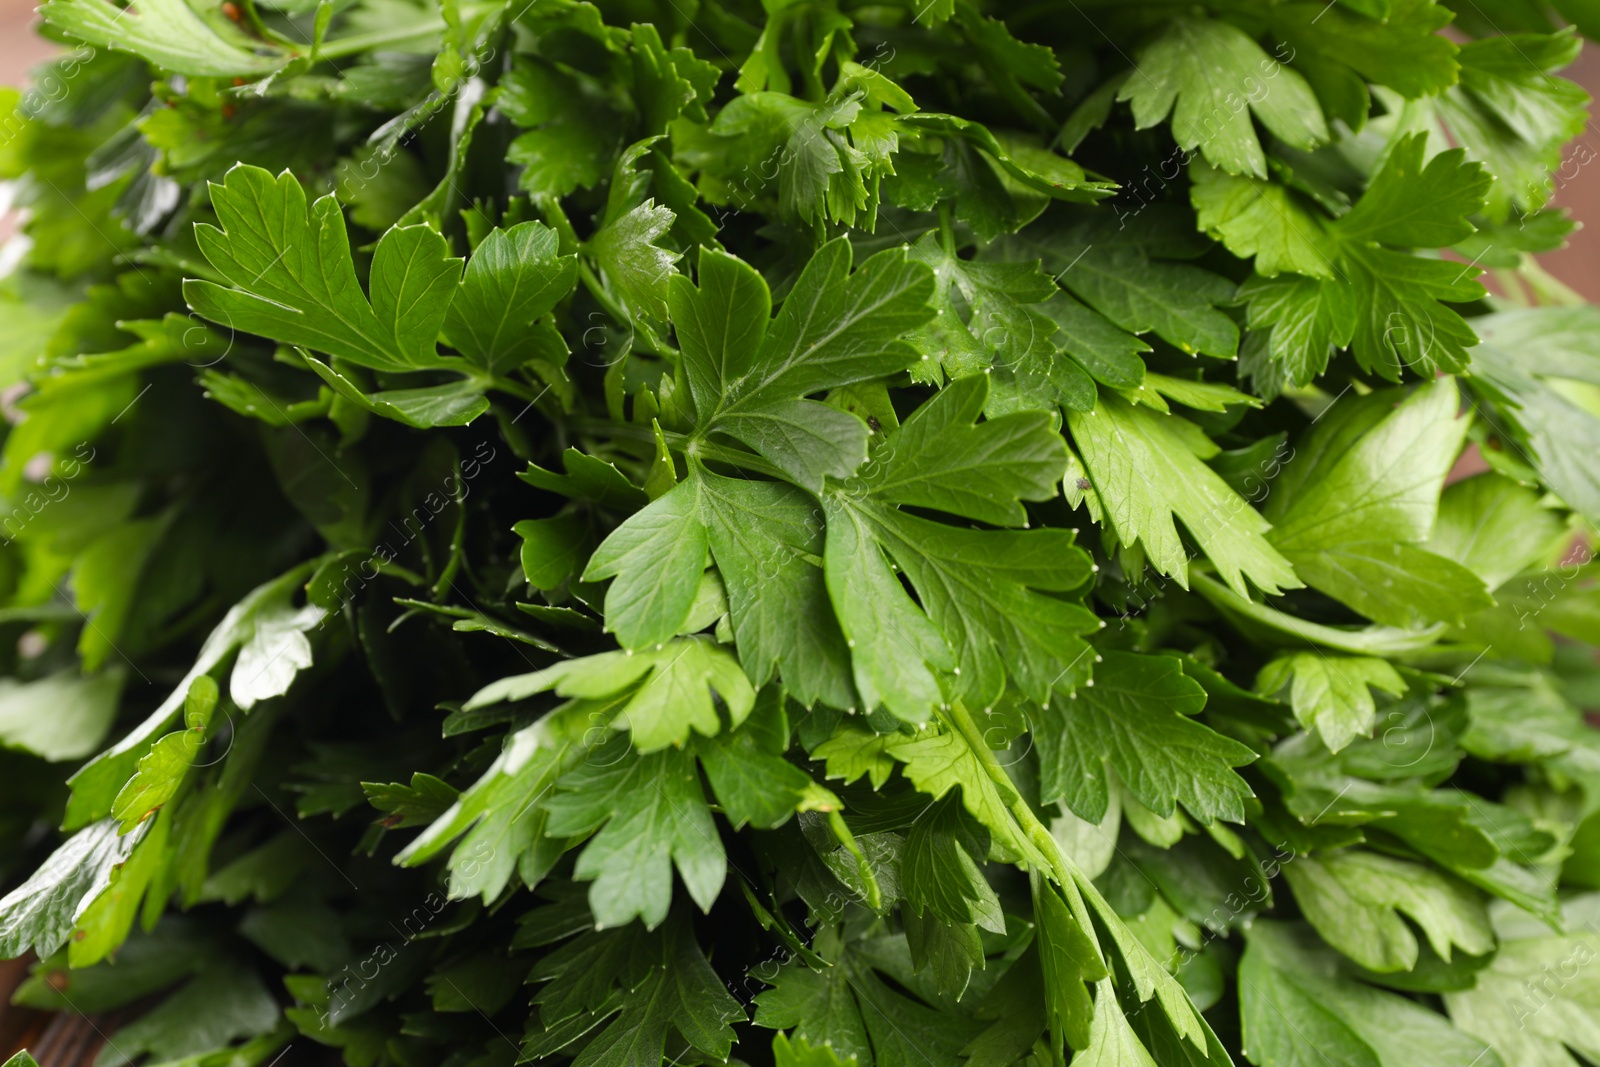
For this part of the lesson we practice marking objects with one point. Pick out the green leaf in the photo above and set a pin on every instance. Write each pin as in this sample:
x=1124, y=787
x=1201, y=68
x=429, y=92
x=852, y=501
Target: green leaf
x=1493, y=527
x=1005, y=331
x=1536, y=998
x=96, y=785
x=942, y=458
x=655, y=557
x=1553, y=430
x=821, y=1007
x=169, y=34
x=39, y=913
x=294, y=281
x=1330, y=694
x=1259, y=218
x=1352, y=530
x=752, y=781
x=681, y=992
x=651, y=815
x=1415, y=205
x=720, y=324
x=1512, y=113
x=836, y=328
x=667, y=689
x=417, y=804
x=1175, y=300
x=215, y=1009
x=1354, y=899
x=161, y=772
x=551, y=548
x=1339, y=51
x=746, y=373
x=632, y=262
x=894, y=649
x=988, y=593
x=1285, y=971
x=1112, y=1042
x=513, y=277
x=270, y=658
x=62, y=716
x=1134, y=720
x=1289, y=1025
x=500, y=814
x=938, y=763
x=1307, y=319
x=939, y=869
x=1212, y=77
x=1145, y=474
x=1406, y=321
x=572, y=132
x=767, y=540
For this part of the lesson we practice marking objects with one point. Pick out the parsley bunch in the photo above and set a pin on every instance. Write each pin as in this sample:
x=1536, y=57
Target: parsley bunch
x=833, y=534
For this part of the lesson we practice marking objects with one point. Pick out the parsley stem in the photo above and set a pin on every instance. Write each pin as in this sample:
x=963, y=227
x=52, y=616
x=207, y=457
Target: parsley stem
x=415, y=33
x=688, y=444
x=1032, y=827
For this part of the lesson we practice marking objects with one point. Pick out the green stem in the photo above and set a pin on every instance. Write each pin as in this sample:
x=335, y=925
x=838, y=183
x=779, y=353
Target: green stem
x=415, y=33
x=688, y=444
x=1371, y=641
x=1034, y=831
x=947, y=228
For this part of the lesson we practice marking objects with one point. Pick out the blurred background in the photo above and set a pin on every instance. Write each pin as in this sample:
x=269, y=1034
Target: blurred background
x=1578, y=265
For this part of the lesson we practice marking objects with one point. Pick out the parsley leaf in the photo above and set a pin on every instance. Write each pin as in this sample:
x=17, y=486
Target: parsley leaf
x=294, y=279
x=651, y=815
x=1145, y=472
x=1211, y=77
x=1134, y=720
x=1354, y=527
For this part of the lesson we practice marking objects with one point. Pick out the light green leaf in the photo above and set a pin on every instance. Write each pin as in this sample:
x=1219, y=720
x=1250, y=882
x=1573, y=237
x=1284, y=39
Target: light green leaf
x=1213, y=74
x=294, y=280
x=1133, y=719
x=161, y=773
x=667, y=689
x=513, y=277
x=1112, y=1042
x=1354, y=899
x=1260, y=218
x=39, y=913
x=1145, y=475
x=651, y=815
x=938, y=763
x=1285, y=970
x=97, y=783
x=170, y=34
x=1493, y=527
x=62, y=716
x=633, y=264
x=276, y=650
x=1539, y=996
x=1330, y=694
x=1352, y=530
x=1525, y=357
